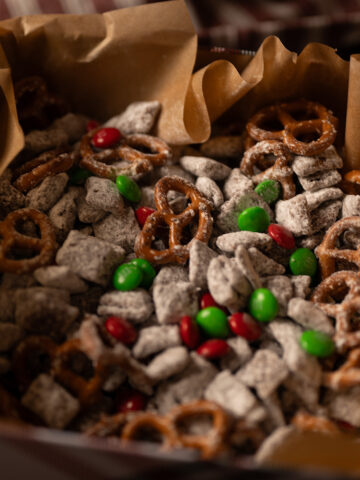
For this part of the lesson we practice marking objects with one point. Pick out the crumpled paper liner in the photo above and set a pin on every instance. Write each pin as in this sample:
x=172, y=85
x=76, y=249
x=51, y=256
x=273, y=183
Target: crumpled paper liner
x=101, y=63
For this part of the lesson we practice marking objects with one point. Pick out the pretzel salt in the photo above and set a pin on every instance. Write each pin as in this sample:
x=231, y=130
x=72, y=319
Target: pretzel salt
x=12, y=240
x=177, y=252
x=280, y=170
x=50, y=163
x=129, y=149
x=345, y=285
x=324, y=124
x=327, y=252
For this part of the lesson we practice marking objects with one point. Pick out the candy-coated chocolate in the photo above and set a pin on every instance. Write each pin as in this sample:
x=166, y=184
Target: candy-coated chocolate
x=120, y=329
x=263, y=306
x=243, y=325
x=282, y=236
x=128, y=188
x=303, y=262
x=91, y=125
x=317, y=343
x=78, y=175
x=127, y=277
x=148, y=271
x=142, y=213
x=106, y=137
x=129, y=400
x=207, y=300
x=189, y=332
x=254, y=219
x=213, y=349
x=269, y=190
x=213, y=322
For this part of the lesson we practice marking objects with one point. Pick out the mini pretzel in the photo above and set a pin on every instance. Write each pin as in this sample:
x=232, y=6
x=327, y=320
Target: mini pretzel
x=311, y=423
x=177, y=252
x=47, y=164
x=36, y=106
x=347, y=376
x=210, y=444
x=45, y=246
x=279, y=171
x=327, y=251
x=323, y=296
x=324, y=125
x=129, y=149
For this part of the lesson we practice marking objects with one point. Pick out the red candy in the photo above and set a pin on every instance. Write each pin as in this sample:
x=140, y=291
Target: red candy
x=189, y=332
x=91, y=125
x=142, y=213
x=212, y=349
x=243, y=325
x=129, y=400
x=208, y=301
x=282, y=236
x=106, y=137
x=121, y=330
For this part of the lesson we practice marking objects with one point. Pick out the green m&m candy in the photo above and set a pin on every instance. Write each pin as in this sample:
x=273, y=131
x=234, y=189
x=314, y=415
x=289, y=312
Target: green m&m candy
x=263, y=305
x=148, y=271
x=269, y=190
x=127, y=277
x=213, y=322
x=254, y=219
x=317, y=343
x=303, y=262
x=128, y=188
x=78, y=175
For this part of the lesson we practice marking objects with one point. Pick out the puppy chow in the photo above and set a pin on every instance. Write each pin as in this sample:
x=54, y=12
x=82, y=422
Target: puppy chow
x=135, y=306
x=119, y=229
x=263, y=264
x=138, y=117
x=174, y=301
x=60, y=276
x=209, y=188
x=103, y=194
x=155, y=339
x=200, y=256
x=45, y=195
x=237, y=184
x=239, y=353
x=309, y=316
x=168, y=363
x=205, y=167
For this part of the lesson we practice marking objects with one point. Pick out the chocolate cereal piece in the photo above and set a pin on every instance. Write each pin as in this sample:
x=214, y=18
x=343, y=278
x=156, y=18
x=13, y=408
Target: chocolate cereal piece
x=351, y=206
x=120, y=229
x=205, y=167
x=139, y=117
x=135, y=306
x=60, y=276
x=239, y=354
x=263, y=264
x=103, y=194
x=246, y=267
x=168, y=363
x=237, y=183
x=45, y=195
x=327, y=160
x=173, y=303
x=229, y=242
x=155, y=339
x=209, y=188
x=320, y=180
x=200, y=256
x=309, y=316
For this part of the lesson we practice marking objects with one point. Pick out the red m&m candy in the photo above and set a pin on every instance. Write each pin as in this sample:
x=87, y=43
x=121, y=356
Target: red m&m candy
x=130, y=400
x=245, y=326
x=121, y=330
x=142, y=213
x=213, y=349
x=282, y=236
x=207, y=300
x=106, y=137
x=91, y=125
x=189, y=332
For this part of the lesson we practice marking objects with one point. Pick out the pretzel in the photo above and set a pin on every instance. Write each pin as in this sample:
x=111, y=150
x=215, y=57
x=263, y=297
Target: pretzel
x=45, y=246
x=347, y=376
x=36, y=106
x=327, y=251
x=311, y=423
x=340, y=283
x=128, y=149
x=211, y=443
x=87, y=390
x=324, y=125
x=47, y=164
x=177, y=252
x=279, y=171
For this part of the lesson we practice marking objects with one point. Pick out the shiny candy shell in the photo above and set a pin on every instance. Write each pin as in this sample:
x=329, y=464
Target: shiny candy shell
x=121, y=330
x=189, y=332
x=269, y=190
x=213, y=349
x=106, y=137
x=263, y=306
x=254, y=219
x=128, y=188
x=303, y=262
x=317, y=343
x=148, y=271
x=213, y=322
x=129, y=400
x=243, y=325
x=142, y=213
x=282, y=236
x=127, y=277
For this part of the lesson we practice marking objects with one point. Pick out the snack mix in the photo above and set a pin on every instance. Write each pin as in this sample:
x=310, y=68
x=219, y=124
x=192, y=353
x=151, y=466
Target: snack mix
x=202, y=297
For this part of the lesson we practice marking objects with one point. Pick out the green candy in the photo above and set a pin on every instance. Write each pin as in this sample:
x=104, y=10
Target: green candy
x=78, y=175
x=269, y=190
x=317, y=343
x=128, y=188
x=254, y=219
x=263, y=305
x=303, y=262
x=127, y=277
x=213, y=322
x=148, y=271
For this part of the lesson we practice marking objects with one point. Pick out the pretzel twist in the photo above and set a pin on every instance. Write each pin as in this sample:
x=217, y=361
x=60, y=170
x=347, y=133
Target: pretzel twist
x=12, y=240
x=36, y=106
x=280, y=170
x=339, y=284
x=50, y=163
x=128, y=149
x=347, y=376
x=177, y=252
x=310, y=423
x=327, y=252
x=324, y=124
